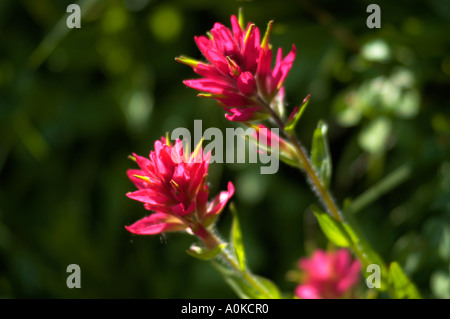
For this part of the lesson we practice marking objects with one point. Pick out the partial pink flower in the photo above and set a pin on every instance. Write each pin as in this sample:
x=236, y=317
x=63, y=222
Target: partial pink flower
x=328, y=275
x=267, y=140
x=239, y=74
x=173, y=185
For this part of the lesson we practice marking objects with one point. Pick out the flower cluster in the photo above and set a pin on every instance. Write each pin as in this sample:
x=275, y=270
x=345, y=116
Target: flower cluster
x=173, y=185
x=239, y=74
x=328, y=275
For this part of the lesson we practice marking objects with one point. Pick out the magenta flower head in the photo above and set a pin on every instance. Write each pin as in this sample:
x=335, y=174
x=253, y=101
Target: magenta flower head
x=328, y=275
x=239, y=74
x=173, y=185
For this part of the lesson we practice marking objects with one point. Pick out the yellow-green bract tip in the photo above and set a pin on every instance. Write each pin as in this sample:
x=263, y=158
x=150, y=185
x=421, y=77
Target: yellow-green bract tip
x=249, y=31
x=144, y=178
x=131, y=157
x=241, y=18
x=188, y=61
x=265, y=41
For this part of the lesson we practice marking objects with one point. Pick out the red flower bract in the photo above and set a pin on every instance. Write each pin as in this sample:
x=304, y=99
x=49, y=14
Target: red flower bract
x=239, y=74
x=173, y=185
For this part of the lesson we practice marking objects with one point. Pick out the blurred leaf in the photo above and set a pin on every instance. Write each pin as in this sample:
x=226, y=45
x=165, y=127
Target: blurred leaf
x=376, y=50
x=204, y=253
x=166, y=23
x=373, y=137
x=346, y=108
x=404, y=288
x=440, y=284
x=59, y=31
x=381, y=188
x=273, y=290
x=235, y=281
x=332, y=228
x=242, y=287
x=444, y=245
x=320, y=154
x=237, y=246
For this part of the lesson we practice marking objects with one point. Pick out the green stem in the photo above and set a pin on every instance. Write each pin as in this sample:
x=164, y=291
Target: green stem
x=360, y=246
x=323, y=194
x=211, y=241
x=391, y=181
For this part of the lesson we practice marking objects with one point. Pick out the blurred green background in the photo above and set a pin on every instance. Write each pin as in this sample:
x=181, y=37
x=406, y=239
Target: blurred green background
x=75, y=103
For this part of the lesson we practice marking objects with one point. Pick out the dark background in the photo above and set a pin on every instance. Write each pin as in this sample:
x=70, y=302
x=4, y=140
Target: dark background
x=75, y=103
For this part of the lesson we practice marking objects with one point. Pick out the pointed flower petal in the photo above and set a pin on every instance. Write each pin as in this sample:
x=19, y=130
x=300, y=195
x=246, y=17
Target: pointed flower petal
x=156, y=224
x=221, y=200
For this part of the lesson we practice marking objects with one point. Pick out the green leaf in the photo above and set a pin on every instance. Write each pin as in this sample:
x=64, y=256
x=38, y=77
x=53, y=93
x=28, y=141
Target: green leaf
x=374, y=136
x=295, y=116
x=237, y=247
x=242, y=287
x=205, y=254
x=235, y=281
x=404, y=288
x=54, y=37
x=384, y=186
x=320, y=154
x=440, y=284
x=332, y=228
x=270, y=286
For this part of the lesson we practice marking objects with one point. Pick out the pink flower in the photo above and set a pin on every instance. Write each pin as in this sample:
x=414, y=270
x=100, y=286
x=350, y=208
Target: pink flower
x=173, y=185
x=328, y=275
x=264, y=135
x=239, y=74
x=268, y=141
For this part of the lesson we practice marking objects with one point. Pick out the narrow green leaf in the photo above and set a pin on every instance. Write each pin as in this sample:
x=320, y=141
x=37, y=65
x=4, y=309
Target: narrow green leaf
x=236, y=239
x=320, y=154
x=54, y=37
x=205, y=254
x=242, y=287
x=235, y=281
x=270, y=286
x=296, y=115
x=404, y=288
x=332, y=229
x=388, y=183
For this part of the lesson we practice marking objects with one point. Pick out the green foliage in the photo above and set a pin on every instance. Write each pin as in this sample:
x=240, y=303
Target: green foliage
x=332, y=229
x=268, y=290
x=75, y=103
x=320, y=154
x=404, y=288
x=205, y=254
x=237, y=246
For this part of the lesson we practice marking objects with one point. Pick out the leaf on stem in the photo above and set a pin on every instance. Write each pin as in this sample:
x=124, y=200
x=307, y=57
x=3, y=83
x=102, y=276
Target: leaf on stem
x=320, y=154
x=404, y=288
x=332, y=228
x=204, y=253
x=244, y=289
x=270, y=286
x=295, y=116
x=237, y=246
x=236, y=282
